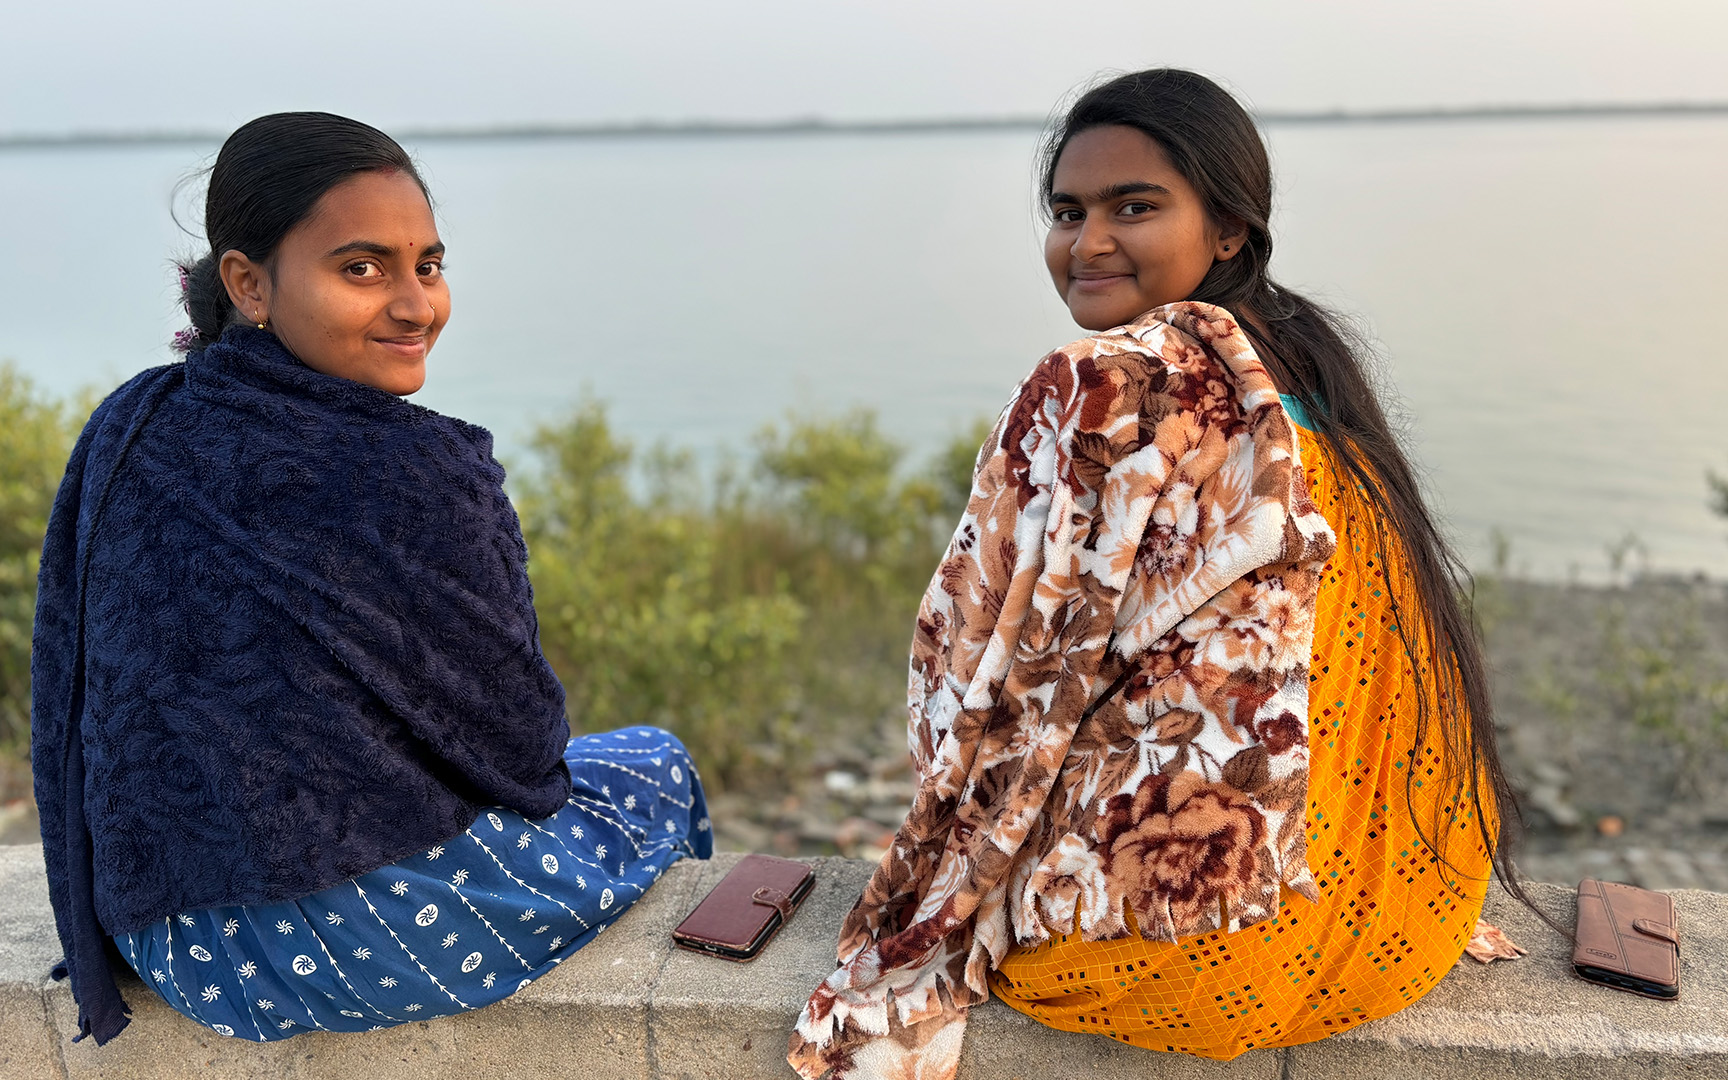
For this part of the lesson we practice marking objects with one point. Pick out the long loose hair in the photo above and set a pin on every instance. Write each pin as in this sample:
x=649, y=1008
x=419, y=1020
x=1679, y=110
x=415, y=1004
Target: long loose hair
x=1212, y=141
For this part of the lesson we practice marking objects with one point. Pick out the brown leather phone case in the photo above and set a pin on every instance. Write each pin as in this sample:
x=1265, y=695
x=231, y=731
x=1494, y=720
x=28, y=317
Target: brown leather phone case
x=1628, y=938
x=737, y=919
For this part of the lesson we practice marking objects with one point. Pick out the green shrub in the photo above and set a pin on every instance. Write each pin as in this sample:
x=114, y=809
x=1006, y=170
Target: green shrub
x=638, y=613
x=1667, y=679
x=952, y=469
x=755, y=611
x=836, y=478
x=36, y=436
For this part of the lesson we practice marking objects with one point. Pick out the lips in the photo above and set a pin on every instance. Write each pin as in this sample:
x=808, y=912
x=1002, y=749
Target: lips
x=411, y=346
x=1095, y=280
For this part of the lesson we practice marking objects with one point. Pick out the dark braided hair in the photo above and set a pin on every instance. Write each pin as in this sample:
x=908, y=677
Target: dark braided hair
x=267, y=178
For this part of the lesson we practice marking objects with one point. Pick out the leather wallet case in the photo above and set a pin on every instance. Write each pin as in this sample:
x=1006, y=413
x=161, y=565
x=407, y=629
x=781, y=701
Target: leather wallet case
x=755, y=898
x=1628, y=938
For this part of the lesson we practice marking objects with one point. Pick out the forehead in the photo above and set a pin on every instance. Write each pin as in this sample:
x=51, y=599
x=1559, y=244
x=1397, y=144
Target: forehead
x=388, y=207
x=1101, y=157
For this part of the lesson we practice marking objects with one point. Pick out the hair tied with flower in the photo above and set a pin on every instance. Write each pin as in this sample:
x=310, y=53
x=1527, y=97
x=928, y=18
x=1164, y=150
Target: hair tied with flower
x=189, y=338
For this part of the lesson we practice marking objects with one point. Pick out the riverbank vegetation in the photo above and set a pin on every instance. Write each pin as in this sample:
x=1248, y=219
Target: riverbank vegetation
x=36, y=435
x=761, y=608
x=752, y=609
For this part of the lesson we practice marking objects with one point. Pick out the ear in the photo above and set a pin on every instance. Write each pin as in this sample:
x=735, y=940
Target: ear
x=1231, y=239
x=248, y=285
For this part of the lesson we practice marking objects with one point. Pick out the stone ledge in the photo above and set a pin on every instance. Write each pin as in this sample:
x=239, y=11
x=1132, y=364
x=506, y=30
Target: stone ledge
x=631, y=1006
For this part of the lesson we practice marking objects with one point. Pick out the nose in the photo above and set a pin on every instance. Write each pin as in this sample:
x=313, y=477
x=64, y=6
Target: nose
x=1093, y=239
x=412, y=305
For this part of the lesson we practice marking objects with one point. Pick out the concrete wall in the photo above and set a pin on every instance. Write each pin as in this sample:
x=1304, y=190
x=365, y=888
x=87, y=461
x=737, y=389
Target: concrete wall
x=631, y=1006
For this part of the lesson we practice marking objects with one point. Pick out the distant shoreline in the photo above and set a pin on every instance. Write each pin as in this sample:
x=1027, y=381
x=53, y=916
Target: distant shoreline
x=818, y=126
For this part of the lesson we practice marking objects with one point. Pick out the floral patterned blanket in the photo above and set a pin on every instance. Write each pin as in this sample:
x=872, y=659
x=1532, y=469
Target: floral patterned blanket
x=1109, y=689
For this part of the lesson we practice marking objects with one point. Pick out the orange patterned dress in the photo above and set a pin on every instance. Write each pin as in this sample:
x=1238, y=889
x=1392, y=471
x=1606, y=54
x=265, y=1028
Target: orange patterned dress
x=1392, y=918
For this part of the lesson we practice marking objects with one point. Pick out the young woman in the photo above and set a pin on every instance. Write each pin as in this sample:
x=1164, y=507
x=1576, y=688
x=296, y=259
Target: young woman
x=298, y=755
x=1206, y=747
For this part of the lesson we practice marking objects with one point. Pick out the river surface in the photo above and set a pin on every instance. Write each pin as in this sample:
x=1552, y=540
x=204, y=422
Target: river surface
x=1545, y=295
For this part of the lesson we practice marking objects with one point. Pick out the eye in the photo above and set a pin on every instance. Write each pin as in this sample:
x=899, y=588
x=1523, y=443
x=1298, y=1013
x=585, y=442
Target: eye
x=431, y=268
x=363, y=269
x=1069, y=215
x=1135, y=209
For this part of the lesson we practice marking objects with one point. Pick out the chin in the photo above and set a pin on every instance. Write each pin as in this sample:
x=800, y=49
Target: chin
x=398, y=382
x=1097, y=321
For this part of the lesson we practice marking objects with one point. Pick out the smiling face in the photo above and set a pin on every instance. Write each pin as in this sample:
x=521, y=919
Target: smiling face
x=1128, y=232
x=357, y=289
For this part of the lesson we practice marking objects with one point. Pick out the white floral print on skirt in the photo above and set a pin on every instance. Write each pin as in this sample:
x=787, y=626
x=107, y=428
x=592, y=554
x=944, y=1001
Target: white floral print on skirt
x=460, y=925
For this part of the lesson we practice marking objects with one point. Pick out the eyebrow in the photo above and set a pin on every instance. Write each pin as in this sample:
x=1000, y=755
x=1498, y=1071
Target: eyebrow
x=383, y=251
x=1114, y=191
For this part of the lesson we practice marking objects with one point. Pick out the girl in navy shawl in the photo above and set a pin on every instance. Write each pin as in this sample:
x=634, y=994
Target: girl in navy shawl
x=299, y=758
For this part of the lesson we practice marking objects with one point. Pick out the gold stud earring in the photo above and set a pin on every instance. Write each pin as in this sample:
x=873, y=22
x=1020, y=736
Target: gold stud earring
x=260, y=321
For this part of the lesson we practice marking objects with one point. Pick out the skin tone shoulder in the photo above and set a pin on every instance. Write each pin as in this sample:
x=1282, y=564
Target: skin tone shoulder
x=357, y=289
x=1128, y=232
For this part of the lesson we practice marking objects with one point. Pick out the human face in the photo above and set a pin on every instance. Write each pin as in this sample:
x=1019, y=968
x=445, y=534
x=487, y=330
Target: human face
x=357, y=289
x=1128, y=232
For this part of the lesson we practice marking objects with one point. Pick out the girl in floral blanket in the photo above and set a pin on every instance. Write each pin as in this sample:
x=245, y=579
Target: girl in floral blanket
x=1206, y=750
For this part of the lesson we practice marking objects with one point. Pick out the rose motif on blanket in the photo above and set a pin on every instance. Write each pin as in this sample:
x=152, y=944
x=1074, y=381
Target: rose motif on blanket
x=1170, y=853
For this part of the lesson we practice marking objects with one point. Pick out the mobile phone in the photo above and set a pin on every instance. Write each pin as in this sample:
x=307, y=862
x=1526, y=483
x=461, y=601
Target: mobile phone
x=1620, y=981
x=741, y=914
x=1628, y=939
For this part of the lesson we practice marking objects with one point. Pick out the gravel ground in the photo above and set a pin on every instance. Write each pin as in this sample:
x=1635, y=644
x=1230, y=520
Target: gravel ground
x=1608, y=794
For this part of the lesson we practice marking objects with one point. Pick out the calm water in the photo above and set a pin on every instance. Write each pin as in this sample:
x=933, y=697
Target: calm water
x=1542, y=292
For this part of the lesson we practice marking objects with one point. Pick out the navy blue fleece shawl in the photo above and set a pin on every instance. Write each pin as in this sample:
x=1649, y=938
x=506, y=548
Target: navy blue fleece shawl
x=284, y=636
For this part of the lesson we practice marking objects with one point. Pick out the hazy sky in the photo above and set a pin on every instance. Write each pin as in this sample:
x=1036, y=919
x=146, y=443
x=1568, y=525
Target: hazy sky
x=201, y=64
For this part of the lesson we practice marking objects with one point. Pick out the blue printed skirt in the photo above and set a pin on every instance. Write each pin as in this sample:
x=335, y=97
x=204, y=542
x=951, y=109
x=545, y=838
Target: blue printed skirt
x=461, y=925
